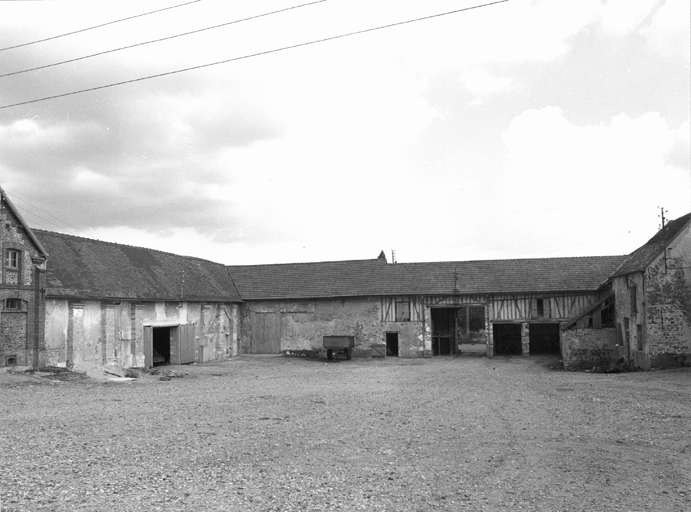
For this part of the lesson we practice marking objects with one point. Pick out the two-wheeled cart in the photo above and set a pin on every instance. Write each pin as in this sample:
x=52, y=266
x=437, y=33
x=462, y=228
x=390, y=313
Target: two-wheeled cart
x=339, y=345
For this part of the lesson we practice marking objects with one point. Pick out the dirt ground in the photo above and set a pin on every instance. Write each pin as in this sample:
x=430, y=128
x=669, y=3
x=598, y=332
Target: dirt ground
x=261, y=433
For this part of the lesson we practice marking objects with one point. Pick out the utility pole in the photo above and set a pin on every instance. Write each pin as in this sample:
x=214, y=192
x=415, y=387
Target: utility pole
x=663, y=220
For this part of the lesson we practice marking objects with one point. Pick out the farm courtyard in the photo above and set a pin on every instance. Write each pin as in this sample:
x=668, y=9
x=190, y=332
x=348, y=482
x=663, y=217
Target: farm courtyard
x=262, y=433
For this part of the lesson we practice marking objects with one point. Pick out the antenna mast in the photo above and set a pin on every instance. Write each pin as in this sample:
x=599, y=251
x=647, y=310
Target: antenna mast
x=663, y=220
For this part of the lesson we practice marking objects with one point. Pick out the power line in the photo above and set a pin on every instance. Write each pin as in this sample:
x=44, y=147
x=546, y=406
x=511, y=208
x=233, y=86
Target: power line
x=31, y=218
x=162, y=39
x=97, y=26
x=14, y=198
x=275, y=50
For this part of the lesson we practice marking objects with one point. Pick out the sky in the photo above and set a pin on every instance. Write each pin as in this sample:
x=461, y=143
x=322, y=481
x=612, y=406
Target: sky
x=522, y=129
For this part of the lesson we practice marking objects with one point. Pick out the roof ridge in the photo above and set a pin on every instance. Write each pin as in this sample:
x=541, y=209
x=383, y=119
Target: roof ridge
x=559, y=258
x=371, y=260
x=639, y=258
x=127, y=245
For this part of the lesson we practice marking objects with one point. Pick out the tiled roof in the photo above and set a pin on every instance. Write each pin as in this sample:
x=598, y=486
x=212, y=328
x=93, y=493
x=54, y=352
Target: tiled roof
x=302, y=280
x=376, y=277
x=639, y=260
x=83, y=268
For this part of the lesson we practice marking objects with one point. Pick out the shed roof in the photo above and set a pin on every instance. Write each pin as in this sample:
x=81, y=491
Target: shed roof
x=377, y=278
x=639, y=260
x=84, y=268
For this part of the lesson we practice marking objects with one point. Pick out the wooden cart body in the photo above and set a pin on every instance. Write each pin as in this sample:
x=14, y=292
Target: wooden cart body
x=339, y=345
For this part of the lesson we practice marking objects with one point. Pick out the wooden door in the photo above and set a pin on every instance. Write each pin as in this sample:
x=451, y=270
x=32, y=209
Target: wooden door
x=266, y=333
x=186, y=346
x=148, y=347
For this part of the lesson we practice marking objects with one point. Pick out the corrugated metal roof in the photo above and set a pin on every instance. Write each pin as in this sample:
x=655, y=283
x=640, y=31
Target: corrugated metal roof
x=639, y=260
x=376, y=277
x=84, y=268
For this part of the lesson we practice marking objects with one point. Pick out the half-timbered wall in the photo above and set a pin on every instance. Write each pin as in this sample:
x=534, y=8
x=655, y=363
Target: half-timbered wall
x=560, y=307
x=509, y=307
x=112, y=333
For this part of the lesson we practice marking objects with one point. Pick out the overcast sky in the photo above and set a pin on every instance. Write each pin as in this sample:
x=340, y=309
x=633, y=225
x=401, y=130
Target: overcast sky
x=537, y=128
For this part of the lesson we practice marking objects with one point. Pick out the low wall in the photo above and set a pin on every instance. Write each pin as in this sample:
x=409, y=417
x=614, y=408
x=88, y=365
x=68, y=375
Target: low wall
x=587, y=348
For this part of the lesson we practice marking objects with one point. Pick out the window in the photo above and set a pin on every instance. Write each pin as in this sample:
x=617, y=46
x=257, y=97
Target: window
x=634, y=302
x=639, y=333
x=607, y=313
x=403, y=311
x=13, y=304
x=12, y=259
x=627, y=333
x=539, y=308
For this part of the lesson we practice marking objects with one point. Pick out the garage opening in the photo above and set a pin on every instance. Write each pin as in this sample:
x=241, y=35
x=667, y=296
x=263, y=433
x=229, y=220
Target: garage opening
x=161, y=345
x=472, y=337
x=507, y=339
x=443, y=331
x=391, y=344
x=544, y=339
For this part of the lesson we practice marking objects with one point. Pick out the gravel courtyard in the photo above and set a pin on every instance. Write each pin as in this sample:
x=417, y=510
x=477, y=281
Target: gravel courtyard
x=274, y=433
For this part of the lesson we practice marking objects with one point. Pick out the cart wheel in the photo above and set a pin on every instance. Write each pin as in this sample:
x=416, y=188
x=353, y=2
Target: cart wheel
x=348, y=354
x=329, y=354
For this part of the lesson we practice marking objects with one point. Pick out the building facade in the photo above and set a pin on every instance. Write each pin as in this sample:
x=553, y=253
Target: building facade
x=67, y=300
x=511, y=307
x=112, y=304
x=22, y=314
x=644, y=319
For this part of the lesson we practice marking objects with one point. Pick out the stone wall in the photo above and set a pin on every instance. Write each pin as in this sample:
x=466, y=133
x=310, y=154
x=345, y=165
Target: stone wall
x=587, y=348
x=304, y=323
x=668, y=306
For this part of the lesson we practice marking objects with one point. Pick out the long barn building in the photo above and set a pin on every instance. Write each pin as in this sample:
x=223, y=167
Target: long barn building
x=67, y=299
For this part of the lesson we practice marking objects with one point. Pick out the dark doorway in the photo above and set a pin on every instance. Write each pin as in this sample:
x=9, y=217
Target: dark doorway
x=392, y=344
x=507, y=339
x=161, y=345
x=544, y=339
x=443, y=331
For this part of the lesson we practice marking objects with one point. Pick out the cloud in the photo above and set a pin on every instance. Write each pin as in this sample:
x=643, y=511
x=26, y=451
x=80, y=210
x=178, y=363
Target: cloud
x=481, y=83
x=667, y=30
x=556, y=167
x=679, y=154
x=620, y=17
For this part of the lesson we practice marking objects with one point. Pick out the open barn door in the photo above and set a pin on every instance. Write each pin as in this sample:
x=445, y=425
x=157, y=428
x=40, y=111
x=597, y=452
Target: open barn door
x=148, y=347
x=183, y=349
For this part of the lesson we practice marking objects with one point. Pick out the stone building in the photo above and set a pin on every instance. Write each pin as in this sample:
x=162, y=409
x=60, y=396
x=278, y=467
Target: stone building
x=22, y=314
x=114, y=304
x=416, y=309
x=644, y=316
x=67, y=299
